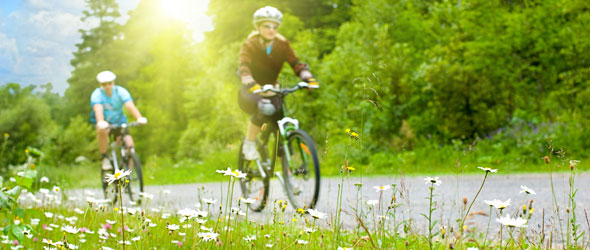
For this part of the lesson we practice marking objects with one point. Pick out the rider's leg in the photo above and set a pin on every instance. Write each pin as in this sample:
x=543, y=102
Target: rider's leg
x=252, y=131
x=128, y=142
x=102, y=136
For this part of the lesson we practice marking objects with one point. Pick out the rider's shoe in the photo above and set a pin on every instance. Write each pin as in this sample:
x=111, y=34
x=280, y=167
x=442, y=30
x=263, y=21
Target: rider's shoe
x=249, y=150
x=106, y=164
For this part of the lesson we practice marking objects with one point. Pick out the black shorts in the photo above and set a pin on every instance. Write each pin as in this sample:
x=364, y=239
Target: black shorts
x=249, y=103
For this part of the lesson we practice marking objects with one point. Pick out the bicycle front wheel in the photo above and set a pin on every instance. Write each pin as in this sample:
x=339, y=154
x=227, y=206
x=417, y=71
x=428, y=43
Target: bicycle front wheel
x=301, y=168
x=256, y=184
x=135, y=186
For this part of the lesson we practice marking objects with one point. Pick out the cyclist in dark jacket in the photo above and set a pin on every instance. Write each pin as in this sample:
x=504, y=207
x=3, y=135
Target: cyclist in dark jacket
x=261, y=58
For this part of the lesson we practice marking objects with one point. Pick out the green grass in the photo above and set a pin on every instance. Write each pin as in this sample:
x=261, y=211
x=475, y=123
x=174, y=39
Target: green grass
x=166, y=171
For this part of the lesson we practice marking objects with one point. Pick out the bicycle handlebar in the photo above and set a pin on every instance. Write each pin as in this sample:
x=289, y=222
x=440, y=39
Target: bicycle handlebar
x=124, y=125
x=284, y=91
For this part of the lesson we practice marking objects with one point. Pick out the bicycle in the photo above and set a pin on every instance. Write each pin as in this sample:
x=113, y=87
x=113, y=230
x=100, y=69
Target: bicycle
x=123, y=160
x=300, y=176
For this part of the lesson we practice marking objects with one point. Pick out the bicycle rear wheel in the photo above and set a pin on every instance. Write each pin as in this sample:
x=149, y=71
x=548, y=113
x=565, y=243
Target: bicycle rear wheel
x=135, y=186
x=301, y=170
x=256, y=184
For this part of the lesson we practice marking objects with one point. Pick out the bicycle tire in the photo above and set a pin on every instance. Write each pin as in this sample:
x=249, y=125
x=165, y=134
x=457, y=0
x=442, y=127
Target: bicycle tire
x=255, y=186
x=299, y=177
x=135, y=186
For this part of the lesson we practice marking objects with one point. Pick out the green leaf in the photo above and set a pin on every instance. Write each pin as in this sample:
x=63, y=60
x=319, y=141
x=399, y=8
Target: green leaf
x=19, y=212
x=17, y=231
x=14, y=192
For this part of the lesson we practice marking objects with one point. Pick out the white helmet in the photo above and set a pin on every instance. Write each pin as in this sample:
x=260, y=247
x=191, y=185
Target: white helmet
x=105, y=76
x=267, y=13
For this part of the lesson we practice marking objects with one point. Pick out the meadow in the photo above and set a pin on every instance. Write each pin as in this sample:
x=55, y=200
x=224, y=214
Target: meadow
x=38, y=214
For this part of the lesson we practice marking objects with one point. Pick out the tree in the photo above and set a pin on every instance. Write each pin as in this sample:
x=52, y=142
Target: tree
x=95, y=53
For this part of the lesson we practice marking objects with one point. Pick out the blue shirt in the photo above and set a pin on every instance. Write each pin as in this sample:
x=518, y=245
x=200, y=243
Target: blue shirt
x=112, y=106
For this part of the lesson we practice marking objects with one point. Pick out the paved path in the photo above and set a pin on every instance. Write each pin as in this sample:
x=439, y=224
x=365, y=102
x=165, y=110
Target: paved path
x=449, y=196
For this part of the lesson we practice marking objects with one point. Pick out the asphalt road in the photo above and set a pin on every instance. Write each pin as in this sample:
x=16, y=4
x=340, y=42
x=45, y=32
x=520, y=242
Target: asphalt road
x=448, y=197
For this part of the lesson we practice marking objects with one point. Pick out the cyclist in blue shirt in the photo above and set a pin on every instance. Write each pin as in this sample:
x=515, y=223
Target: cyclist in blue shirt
x=107, y=104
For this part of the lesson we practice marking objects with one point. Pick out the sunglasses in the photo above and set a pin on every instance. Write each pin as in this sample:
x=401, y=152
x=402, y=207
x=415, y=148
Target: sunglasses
x=106, y=83
x=268, y=26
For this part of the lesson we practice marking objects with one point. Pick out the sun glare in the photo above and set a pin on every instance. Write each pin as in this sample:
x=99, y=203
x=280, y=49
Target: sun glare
x=191, y=12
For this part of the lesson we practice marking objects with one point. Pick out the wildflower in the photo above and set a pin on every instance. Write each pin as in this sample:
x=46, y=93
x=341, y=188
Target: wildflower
x=146, y=195
x=435, y=180
x=316, y=214
x=209, y=201
x=526, y=190
x=56, y=189
x=70, y=229
x=250, y=238
x=249, y=201
x=238, y=174
x=204, y=228
x=165, y=215
x=43, y=190
x=301, y=210
x=487, y=170
x=173, y=227
x=498, y=203
x=49, y=214
x=302, y=242
x=372, y=202
x=345, y=248
x=188, y=213
x=224, y=172
x=308, y=230
x=510, y=222
x=112, y=222
x=119, y=174
x=136, y=238
x=472, y=248
x=573, y=164
x=207, y=236
x=12, y=179
x=200, y=213
x=269, y=245
x=382, y=188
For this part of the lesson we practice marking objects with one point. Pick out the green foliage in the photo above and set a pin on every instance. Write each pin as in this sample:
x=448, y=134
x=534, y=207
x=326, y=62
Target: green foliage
x=420, y=81
x=25, y=121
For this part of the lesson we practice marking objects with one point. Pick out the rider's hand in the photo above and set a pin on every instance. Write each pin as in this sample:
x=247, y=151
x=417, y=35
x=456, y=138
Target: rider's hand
x=102, y=124
x=142, y=120
x=313, y=83
x=254, y=88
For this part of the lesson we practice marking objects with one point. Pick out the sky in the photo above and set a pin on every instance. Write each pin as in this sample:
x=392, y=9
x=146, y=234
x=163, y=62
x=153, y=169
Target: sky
x=38, y=37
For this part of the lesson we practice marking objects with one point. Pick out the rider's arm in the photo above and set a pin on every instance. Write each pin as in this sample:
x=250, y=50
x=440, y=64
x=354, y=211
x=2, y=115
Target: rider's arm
x=98, y=112
x=299, y=68
x=244, y=68
x=133, y=110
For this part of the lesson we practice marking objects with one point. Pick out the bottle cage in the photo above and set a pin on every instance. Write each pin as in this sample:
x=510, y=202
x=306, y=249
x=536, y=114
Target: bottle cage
x=285, y=121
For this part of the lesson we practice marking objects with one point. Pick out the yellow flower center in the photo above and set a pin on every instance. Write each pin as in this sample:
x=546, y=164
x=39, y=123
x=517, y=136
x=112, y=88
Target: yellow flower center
x=117, y=175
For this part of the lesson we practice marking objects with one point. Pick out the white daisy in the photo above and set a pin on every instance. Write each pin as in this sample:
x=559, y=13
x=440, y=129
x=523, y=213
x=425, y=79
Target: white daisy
x=316, y=214
x=382, y=188
x=510, y=222
x=525, y=189
x=435, y=181
x=488, y=169
x=118, y=175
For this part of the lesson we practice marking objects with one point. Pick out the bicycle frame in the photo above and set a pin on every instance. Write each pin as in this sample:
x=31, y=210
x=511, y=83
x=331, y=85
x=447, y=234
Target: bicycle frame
x=285, y=126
